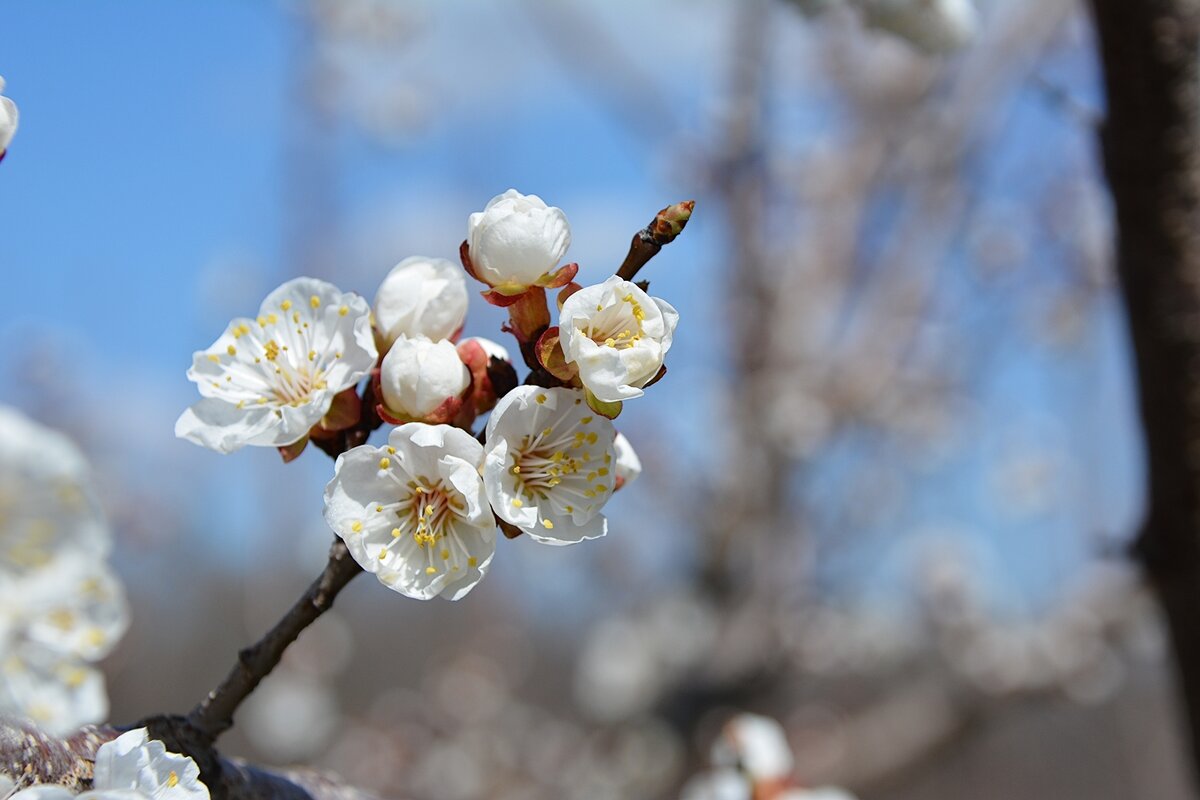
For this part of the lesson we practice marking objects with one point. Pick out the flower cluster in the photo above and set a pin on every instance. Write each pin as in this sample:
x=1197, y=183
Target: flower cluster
x=752, y=761
x=63, y=608
x=132, y=767
x=8, y=121
x=421, y=510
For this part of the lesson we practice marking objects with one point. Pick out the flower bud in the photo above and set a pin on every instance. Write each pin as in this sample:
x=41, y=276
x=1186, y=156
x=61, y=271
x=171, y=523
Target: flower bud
x=421, y=297
x=8, y=120
x=421, y=380
x=516, y=242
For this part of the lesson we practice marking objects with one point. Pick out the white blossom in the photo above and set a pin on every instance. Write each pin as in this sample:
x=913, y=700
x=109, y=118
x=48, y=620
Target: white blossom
x=47, y=505
x=421, y=297
x=720, y=784
x=617, y=336
x=132, y=767
x=629, y=466
x=8, y=120
x=268, y=381
x=63, y=608
x=753, y=760
x=755, y=744
x=422, y=380
x=516, y=241
x=933, y=26
x=413, y=512
x=549, y=464
x=56, y=691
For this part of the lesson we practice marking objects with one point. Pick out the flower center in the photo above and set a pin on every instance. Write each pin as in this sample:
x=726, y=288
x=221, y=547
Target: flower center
x=294, y=385
x=428, y=511
x=619, y=326
x=549, y=458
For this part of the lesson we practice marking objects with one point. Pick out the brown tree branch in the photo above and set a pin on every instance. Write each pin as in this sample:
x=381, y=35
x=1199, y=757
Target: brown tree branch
x=1150, y=145
x=195, y=734
x=214, y=715
x=30, y=757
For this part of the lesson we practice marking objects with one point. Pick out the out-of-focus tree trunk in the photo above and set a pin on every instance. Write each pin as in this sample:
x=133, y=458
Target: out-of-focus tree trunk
x=1150, y=146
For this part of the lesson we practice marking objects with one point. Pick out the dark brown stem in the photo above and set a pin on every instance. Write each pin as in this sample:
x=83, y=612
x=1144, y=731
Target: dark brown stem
x=1151, y=152
x=641, y=250
x=214, y=715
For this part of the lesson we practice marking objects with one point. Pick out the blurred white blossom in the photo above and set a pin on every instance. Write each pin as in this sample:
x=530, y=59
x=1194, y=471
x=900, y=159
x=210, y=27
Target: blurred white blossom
x=754, y=761
x=932, y=26
x=268, y=381
x=63, y=608
x=8, y=120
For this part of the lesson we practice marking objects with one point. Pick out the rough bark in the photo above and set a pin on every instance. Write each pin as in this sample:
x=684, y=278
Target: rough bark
x=31, y=757
x=1150, y=149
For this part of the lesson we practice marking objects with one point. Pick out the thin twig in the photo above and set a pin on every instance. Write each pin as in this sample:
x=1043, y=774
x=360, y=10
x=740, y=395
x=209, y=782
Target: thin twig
x=666, y=225
x=214, y=714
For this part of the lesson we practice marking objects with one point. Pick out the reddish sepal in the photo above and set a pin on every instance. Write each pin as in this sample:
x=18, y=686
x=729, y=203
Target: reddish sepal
x=290, y=452
x=550, y=356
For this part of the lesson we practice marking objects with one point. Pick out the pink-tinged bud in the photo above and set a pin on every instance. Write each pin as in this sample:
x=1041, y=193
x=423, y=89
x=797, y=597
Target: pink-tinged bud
x=670, y=222
x=492, y=373
x=421, y=381
x=516, y=242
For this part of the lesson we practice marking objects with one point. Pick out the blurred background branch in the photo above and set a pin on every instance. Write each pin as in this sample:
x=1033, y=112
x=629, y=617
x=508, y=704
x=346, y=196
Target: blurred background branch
x=1151, y=145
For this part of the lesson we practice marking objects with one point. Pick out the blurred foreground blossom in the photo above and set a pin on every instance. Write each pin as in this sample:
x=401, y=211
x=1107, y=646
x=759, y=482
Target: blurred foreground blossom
x=753, y=762
x=131, y=767
x=617, y=336
x=413, y=512
x=932, y=26
x=8, y=120
x=269, y=381
x=62, y=608
x=421, y=297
